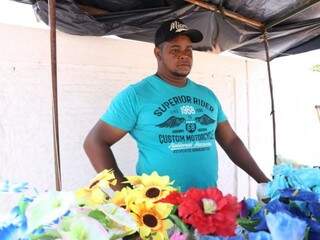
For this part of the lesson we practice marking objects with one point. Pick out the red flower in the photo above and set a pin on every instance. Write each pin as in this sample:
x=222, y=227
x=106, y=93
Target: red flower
x=174, y=198
x=209, y=211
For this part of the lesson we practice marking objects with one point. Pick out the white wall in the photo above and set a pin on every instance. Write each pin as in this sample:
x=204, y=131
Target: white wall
x=297, y=91
x=91, y=70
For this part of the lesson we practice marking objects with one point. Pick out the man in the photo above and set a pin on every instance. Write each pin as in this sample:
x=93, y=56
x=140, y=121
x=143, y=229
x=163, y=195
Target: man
x=174, y=120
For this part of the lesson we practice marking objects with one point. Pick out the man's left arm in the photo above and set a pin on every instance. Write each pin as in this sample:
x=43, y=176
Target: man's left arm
x=237, y=152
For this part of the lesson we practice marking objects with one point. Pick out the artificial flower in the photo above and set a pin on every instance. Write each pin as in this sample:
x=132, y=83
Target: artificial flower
x=47, y=208
x=261, y=235
x=283, y=227
x=6, y=186
x=120, y=216
x=286, y=176
x=174, y=198
x=209, y=211
x=152, y=186
x=10, y=231
x=252, y=216
x=178, y=236
x=82, y=228
x=104, y=179
x=299, y=195
x=125, y=197
x=152, y=219
x=96, y=194
x=91, y=197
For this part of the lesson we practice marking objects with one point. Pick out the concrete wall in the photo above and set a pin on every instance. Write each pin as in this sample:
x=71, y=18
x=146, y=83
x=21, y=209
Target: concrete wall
x=91, y=70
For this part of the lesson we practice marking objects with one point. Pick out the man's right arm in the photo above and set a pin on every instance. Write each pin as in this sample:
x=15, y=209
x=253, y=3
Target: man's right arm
x=97, y=146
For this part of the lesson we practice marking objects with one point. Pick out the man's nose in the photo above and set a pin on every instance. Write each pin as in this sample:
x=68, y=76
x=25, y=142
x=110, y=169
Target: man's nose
x=183, y=55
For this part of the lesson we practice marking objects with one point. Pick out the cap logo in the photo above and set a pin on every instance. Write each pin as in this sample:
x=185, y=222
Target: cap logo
x=178, y=27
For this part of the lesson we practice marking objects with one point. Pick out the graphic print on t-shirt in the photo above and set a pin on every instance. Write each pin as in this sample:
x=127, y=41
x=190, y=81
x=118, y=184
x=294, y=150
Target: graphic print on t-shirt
x=189, y=123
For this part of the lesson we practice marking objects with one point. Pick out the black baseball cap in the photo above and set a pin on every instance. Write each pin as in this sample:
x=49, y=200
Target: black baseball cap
x=170, y=29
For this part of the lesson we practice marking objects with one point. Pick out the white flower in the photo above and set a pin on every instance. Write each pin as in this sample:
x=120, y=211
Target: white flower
x=48, y=207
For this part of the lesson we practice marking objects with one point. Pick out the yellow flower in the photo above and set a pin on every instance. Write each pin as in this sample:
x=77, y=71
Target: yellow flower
x=125, y=197
x=91, y=196
x=153, y=187
x=96, y=193
x=104, y=179
x=152, y=219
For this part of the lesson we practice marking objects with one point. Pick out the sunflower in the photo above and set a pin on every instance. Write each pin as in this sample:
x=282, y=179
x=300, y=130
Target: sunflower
x=91, y=196
x=96, y=193
x=152, y=179
x=152, y=219
x=104, y=179
x=126, y=197
x=152, y=187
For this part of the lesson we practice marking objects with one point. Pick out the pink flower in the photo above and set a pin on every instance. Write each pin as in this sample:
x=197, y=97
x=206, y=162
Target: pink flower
x=178, y=236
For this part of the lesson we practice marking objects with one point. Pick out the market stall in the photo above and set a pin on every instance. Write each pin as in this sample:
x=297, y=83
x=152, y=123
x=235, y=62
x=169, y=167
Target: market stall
x=260, y=31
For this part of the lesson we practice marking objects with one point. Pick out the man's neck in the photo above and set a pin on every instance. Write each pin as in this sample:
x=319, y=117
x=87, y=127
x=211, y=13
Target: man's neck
x=173, y=80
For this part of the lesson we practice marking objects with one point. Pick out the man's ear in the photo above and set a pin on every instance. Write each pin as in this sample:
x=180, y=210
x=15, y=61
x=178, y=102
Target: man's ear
x=157, y=53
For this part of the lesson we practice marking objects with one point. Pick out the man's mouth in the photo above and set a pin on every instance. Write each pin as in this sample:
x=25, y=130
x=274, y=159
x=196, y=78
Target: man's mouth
x=184, y=65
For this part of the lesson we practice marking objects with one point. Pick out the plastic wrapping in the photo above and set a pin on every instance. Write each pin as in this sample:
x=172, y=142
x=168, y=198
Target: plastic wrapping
x=138, y=20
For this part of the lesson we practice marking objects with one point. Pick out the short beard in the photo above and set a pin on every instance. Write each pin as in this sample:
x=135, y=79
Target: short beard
x=178, y=74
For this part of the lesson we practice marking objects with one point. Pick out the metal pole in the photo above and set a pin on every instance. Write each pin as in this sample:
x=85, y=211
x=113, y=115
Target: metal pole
x=55, y=119
x=317, y=107
x=266, y=45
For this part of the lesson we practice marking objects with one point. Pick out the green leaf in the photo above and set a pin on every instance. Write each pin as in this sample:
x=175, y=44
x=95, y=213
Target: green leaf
x=256, y=209
x=101, y=217
x=174, y=210
x=306, y=234
x=48, y=235
x=23, y=204
x=120, y=236
x=248, y=224
x=179, y=223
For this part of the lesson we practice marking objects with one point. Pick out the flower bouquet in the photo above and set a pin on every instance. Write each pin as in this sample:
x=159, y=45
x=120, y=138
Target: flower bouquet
x=290, y=210
x=150, y=209
x=153, y=209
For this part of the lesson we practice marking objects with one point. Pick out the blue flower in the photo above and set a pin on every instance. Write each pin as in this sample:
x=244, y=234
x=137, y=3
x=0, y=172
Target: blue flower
x=314, y=208
x=316, y=189
x=6, y=186
x=8, y=232
x=309, y=176
x=247, y=205
x=252, y=216
x=279, y=182
x=283, y=227
x=275, y=206
x=207, y=237
x=299, y=195
x=262, y=235
x=285, y=176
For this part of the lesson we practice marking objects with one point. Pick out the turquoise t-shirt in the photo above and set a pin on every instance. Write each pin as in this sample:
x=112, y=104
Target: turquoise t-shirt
x=174, y=128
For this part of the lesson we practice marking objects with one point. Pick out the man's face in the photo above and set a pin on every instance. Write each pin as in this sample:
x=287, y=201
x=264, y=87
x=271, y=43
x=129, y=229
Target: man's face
x=175, y=56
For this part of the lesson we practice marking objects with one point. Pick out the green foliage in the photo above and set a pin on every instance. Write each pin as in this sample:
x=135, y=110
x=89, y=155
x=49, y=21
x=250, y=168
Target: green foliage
x=48, y=235
x=248, y=223
x=179, y=223
x=316, y=68
x=101, y=217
